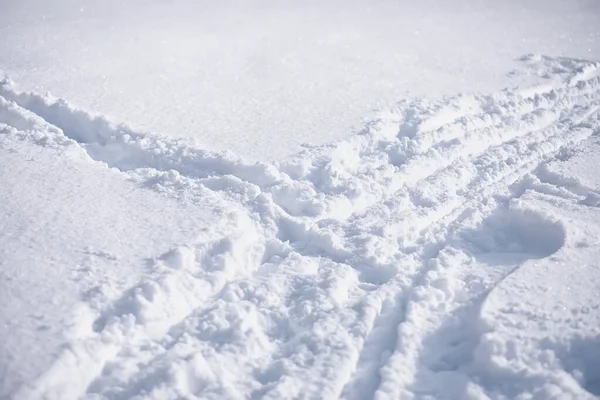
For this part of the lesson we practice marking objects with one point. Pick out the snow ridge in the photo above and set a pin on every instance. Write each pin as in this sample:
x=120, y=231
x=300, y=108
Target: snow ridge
x=350, y=271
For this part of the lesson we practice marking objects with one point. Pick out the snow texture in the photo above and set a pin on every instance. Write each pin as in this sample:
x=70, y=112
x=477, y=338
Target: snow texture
x=262, y=78
x=447, y=251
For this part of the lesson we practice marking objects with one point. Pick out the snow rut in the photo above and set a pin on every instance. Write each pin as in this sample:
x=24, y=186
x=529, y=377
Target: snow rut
x=352, y=270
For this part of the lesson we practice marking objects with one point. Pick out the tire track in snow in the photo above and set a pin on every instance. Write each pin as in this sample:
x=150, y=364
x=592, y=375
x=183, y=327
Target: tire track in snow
x=416, y=166
x=427, y=220
x=426, y=304
x=454, y=216
x=477, y=185
x=336, y=255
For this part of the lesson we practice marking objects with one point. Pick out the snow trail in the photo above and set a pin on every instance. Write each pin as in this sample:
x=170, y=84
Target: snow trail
x=355, y=270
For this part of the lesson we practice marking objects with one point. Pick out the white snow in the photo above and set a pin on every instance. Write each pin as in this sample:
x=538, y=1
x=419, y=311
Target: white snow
x=447, y=249
x=262, y=77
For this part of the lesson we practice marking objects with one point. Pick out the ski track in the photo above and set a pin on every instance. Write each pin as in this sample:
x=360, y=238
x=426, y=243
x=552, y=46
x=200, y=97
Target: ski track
x=351, y=270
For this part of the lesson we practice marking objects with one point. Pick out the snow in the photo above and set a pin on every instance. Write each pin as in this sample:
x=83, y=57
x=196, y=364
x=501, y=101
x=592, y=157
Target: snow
x=263, y=77
x=446, y=249
x=71, y=231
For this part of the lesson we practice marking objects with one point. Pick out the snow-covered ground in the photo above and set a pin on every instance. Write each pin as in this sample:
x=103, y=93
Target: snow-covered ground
x=262, y=77
x=447, y=248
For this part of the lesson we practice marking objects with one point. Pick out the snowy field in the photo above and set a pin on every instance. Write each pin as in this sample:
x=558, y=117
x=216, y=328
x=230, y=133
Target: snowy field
x=309, y=200
x=263, y=77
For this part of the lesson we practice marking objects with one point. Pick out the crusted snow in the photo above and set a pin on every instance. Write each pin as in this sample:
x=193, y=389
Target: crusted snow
x=447, y=251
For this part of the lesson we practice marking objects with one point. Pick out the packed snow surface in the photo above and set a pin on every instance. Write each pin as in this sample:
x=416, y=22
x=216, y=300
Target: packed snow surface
x=262, y=77
x=449, y=250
